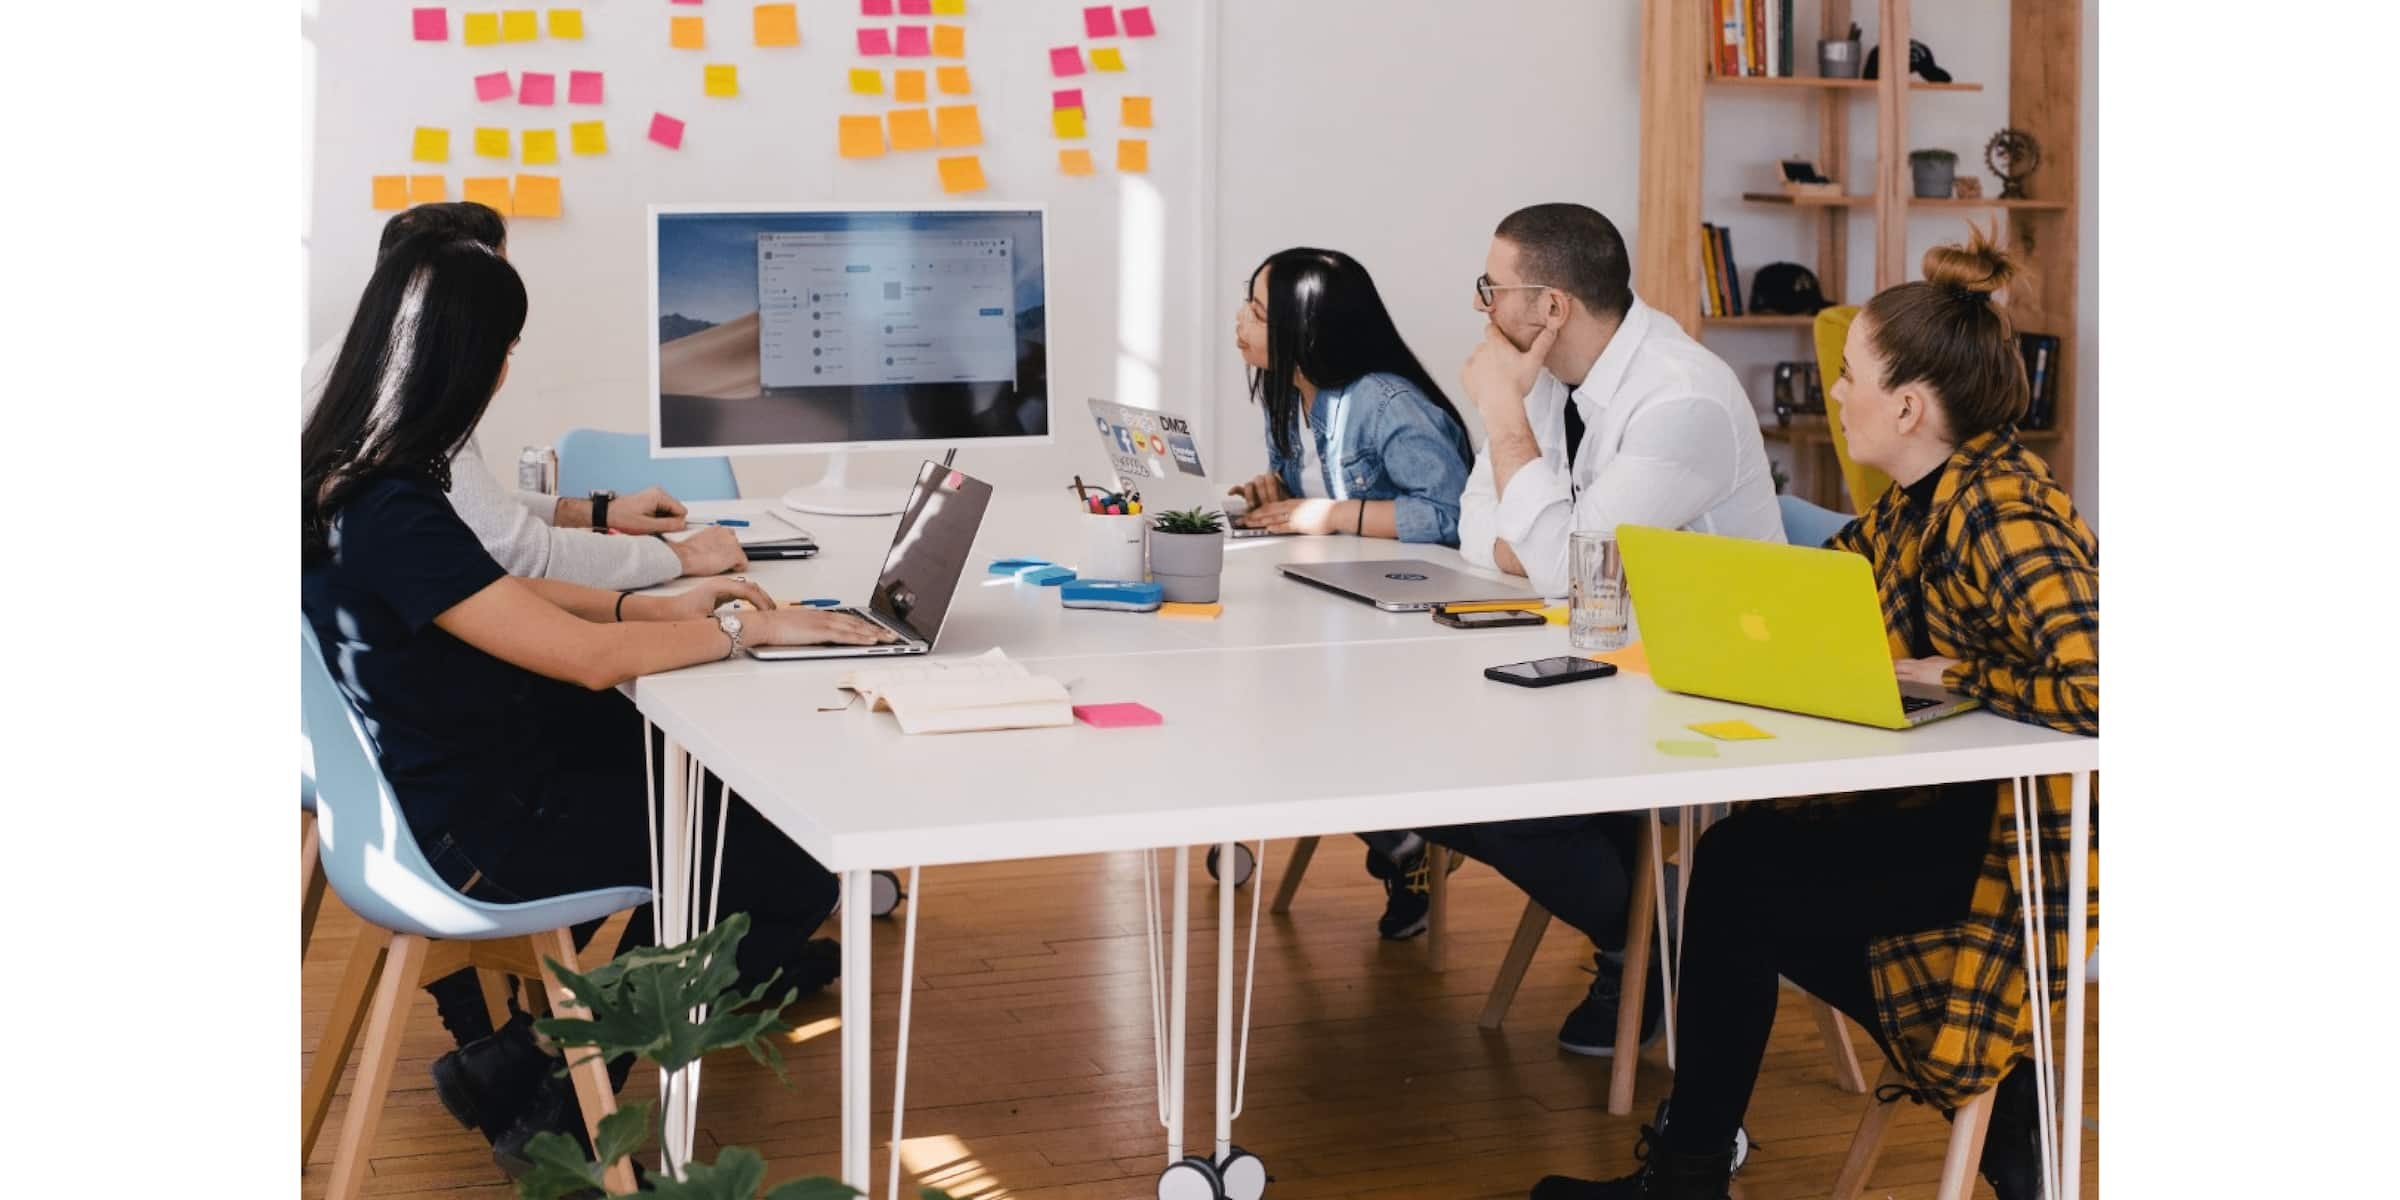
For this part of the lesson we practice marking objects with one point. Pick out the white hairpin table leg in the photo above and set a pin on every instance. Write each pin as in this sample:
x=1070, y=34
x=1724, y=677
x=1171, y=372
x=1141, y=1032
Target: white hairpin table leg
x=858, y=941
x=1178, y=985
x=2079, y=845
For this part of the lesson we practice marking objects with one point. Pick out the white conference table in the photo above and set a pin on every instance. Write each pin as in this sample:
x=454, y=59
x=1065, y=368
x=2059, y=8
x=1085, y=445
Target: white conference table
x=1296, y=713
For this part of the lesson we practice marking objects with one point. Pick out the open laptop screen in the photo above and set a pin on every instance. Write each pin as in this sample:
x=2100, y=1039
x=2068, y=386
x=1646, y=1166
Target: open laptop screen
x=929, y=551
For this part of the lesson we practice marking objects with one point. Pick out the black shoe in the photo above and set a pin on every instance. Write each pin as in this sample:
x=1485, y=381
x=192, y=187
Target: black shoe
x=1407, y=900
x=486, y=1083
x=1666, y=1174
x=2012, y=1143
x=554, y=1111
x=1592, y=1028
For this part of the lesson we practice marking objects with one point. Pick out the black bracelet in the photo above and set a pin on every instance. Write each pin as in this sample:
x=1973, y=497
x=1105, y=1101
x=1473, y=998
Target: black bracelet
x=621, y=603
x=1361, y=531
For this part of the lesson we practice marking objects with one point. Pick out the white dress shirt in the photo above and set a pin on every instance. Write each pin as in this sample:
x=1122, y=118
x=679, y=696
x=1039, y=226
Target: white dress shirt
x=1669, y=440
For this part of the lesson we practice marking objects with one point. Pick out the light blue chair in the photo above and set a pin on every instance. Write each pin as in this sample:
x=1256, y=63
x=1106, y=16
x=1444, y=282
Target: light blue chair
x=416, y=928
x=590, y=460
x=1806, y=524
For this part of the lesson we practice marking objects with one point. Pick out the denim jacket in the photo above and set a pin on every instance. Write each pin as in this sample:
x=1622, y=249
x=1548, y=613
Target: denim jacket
x=1379, y=438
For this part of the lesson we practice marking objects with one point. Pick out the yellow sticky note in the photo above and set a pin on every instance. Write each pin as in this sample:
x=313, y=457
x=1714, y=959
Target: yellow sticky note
x=1135, y=112
x=1076, y=162
x=912, y=129
x=588, y=137
x=483, y=29
x=491, y=192
x=949, y=8
x=719, y=79
x=1631, y=659
x=862, y=137
x=865, y=81
x=491, y=143
x=1133, y=156
x=537, y=196
x=433, y=145
x=687, y=33
x=427, y=189
x=1067, y=122
x=952, y=81
x=541, y=146
x=391, y=191
x=1188, y=612
x=962, y=174
x=567, y=23
x=908, y=87
x=1108, y=58
x=959, y=126
x=1731, y=731
x=520, y=25
x=949, y=41
x=775, y=25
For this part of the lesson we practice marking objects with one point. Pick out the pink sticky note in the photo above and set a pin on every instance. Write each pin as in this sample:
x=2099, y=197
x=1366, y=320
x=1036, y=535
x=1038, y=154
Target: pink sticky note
x=1100, y=21
x=583, y=87
x=433, y=24
x=666, y=131
x=915, y=41
x=1117, y=716
x=873, y=42
x=874, y=8
x=1067, y=98
x=916, y=8
x=1137, y=23
x=537, y=87
x=1066, y=60
x=491, y=87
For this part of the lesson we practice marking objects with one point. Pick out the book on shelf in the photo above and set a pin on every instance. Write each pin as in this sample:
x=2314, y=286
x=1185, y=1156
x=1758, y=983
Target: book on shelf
x=1729, y=37
x=1710, y=305
x=1783, y=38
x=1733, y=274
x=2040, y=351
x=1758, y=37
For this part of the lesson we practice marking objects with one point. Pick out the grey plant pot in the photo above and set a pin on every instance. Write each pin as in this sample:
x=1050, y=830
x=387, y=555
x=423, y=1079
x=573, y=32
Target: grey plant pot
x=1187, y=566
x=1932, y=176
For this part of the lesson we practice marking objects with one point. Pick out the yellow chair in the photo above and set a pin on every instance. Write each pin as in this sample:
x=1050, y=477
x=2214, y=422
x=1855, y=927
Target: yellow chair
x=1864, y=483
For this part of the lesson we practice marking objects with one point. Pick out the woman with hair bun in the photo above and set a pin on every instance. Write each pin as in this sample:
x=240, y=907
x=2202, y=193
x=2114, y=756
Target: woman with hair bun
x=1901, y=907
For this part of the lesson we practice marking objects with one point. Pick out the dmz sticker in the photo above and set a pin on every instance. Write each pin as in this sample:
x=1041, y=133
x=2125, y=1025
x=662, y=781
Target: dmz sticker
x=1142, y=442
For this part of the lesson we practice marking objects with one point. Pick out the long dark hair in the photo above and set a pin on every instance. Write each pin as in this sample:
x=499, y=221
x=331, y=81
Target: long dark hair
x=1326, y=321
x=417, y=369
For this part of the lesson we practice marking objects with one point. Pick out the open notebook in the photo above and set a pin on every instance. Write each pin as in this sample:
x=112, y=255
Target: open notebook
x=988, y=692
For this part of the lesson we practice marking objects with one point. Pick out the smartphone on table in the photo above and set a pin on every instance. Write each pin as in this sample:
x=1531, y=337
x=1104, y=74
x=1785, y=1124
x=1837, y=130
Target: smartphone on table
x=1549, y=672
x=1500, y=618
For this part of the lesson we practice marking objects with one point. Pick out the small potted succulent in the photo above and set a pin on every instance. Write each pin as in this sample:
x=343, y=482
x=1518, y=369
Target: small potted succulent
x=1187, y=555
x=1932, y=171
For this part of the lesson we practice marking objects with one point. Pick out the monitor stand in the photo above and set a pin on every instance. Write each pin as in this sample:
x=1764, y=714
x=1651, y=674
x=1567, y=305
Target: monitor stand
x=833, y=496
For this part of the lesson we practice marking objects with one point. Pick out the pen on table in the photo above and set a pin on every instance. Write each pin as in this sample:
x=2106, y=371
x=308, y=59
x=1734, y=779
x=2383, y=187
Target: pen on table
x=735, y=522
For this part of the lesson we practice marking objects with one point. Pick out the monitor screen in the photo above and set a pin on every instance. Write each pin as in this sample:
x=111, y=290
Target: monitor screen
x=818, y=329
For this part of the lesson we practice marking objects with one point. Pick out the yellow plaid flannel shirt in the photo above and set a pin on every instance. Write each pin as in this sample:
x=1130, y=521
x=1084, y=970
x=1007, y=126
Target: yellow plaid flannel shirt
x=2010, y=588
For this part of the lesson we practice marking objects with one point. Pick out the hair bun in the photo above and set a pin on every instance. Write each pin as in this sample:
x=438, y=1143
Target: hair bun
x=1981, y=266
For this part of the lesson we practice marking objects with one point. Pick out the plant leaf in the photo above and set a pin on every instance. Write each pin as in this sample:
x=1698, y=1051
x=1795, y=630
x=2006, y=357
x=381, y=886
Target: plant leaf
x=644, y=1002
x=734, y=1176
x=623, y=1132
x=815, y=1187
x=559, y=1169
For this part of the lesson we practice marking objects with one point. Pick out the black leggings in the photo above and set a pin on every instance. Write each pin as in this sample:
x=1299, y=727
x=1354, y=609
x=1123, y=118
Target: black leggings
x=1800, y=896
x=1577, y=867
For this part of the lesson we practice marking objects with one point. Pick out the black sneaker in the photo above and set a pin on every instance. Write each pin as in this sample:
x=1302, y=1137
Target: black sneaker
x=486, y=1083
x=1664, y=1175
x=1407, y=902
x=1592, y=1028
x=554, y=1110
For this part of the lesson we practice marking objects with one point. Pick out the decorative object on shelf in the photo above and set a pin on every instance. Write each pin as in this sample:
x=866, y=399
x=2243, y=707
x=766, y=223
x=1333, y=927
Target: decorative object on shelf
x=1933, y=171
x=1787, y=289
x=1797, y=391
x=1920, y=63
x=1966, y=187
x=1839, y=60
x=2040, y=351
x=2012, y=154
x=1801, y=178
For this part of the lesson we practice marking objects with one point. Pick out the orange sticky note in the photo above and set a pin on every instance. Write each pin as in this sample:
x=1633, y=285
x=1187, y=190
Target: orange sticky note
x=491, y=143
x=959, y=126
x=950, y=41
x=775, y=25
x=567, y=23
x=687, y=33
x=908, y=87
x=1191, y=612
x=520, y=25
x=952, y=81
x=541, y=146
x=1133, y=156
x=862, y=137
x=588, y=137
x=428, y=189
x=866, y=81
x=1135, y=112
x=483, y=29
x=1067, y=122
x=962, y=174
x=1631, y=659
x=391, y=191
x=491, y=192
x=1108, y=58
x=1077, y=161
x=433, y=145
x=537, y=196
x=912, y=129
x=720, y=79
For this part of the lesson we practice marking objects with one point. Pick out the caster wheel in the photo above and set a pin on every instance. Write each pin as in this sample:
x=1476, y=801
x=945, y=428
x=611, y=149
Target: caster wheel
x=1741, y=1137
x=1245, y=864
x=887, y=894
x=1191, y=1178
x=1242, y=1176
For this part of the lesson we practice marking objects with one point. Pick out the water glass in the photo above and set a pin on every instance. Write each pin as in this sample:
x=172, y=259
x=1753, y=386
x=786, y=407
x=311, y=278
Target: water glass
x=1599, y=611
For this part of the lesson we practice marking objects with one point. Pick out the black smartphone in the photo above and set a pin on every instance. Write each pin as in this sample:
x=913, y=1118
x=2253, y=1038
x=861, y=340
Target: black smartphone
x=1549, y=672
x=1488, y=618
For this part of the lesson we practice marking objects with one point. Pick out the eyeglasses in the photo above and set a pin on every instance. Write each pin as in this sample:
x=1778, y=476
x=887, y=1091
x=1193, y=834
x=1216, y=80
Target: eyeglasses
x=1484, y=287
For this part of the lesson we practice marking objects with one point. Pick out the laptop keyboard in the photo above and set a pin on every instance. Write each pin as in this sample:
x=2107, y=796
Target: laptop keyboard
x=1909, y=704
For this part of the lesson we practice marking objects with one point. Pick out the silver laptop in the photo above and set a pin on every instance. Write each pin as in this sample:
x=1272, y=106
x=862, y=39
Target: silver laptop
x=920, y=574
x=1404, y=584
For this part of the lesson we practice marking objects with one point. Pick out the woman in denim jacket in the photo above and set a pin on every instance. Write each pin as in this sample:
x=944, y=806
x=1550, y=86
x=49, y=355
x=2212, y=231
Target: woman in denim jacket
x=1360, y=438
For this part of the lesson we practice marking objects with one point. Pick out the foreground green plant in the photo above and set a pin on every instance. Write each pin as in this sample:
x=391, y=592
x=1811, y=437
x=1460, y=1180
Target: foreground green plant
x=1190, y=520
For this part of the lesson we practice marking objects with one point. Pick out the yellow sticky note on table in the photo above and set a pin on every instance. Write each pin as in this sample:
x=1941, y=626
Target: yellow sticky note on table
x=1108, y=58
x=588, y=137
x=862, y=137
x=537, y=196
x=962, y=174
x=775, y=25
x=1076, y=162
x=483, y=29
x=391, y=191
x=541, y=146
x=491, y=143
x=866, y=81
x=433, y=145
x=1135, y=112
x=1133, y=156
x=428, y=189
x=908, y=87
x=912, y=129
x=687, y=33
x=952, y=81
x=1631, y=659
x=949, y=41
x=491, y=192
x=1731, y=731
x=958, y=126
x=520, y=25
x=566, y=23
x=720, y=79
x=1188, y=612
x=1067, y=122
x=949, y=8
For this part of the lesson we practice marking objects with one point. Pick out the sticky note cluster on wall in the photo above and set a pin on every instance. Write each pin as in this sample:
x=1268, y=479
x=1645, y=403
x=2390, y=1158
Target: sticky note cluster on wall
x=943, y=127
x=1069, y=117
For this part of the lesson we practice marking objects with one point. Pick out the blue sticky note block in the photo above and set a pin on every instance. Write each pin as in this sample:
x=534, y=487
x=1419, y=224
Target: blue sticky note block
x=1045, y=576
x=1014, y=566
x=1111, y=595
x=821, y=603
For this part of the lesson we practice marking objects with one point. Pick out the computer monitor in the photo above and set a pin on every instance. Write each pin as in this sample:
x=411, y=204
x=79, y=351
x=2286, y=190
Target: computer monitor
x=786, y=329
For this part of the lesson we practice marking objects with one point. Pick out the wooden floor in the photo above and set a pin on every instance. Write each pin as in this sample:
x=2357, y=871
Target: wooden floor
x=1033, y=1061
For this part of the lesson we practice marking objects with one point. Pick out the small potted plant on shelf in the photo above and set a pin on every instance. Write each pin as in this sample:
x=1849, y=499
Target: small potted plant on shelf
x=1187, y=555
x=1932, y=172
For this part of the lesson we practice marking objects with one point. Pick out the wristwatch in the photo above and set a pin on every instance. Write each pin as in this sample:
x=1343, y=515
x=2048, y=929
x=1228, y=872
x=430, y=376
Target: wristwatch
x=732, y=625
x=600, y=501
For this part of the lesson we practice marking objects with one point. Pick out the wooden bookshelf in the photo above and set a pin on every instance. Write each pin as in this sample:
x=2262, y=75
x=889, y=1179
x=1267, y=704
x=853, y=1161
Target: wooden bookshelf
x=2027, y=204
x=1812, y=81
x=1809, y=200
x=1760, y=321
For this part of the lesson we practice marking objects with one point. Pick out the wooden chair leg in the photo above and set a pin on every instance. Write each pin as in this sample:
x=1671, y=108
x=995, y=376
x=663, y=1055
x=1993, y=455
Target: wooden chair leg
x=590, y=1073
x=496, y=986
x=312, y=881
x=1967, y=1128
x=1835, y=1029
x=350, y=1001
x=395, y=991
x=1866, y=1145
x=1293, y=871
x=1530, y=929
x=1641, y=922
x=1437, y=916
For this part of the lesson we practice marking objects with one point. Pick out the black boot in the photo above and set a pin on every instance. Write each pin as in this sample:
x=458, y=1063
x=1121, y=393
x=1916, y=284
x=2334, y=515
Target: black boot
x=1666, y=1174
x=486, y=1083
x=2012, y=1143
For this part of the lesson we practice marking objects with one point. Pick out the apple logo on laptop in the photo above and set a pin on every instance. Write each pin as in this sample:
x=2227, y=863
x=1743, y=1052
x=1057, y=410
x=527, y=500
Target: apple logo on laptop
x=1754, y=627
x=1404, y=576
